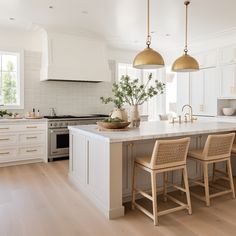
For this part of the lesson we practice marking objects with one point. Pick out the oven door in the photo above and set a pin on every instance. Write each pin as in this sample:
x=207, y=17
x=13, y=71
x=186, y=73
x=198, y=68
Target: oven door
x=59, y=142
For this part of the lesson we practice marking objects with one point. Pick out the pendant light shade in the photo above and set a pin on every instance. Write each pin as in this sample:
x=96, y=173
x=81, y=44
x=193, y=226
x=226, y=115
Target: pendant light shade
x=148, y=58
x=185, y=63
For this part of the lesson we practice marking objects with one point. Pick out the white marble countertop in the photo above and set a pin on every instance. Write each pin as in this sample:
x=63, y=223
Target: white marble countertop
x=155, y=130
x=10, y=120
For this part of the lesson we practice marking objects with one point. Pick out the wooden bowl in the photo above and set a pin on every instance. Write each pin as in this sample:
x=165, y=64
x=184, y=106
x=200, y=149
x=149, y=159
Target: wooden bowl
x=113, y=125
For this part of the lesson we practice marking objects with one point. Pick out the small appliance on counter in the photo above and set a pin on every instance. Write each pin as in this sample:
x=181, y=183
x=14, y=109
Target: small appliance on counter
x=58, y=133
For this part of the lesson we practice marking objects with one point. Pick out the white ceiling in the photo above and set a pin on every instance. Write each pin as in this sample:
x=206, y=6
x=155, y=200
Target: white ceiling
x=123, y=22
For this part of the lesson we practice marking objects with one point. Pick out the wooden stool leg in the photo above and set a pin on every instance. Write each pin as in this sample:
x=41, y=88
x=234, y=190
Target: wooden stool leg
x=213, y=173
x=165, y=177
x=185, y=177
x=229, y=168
x=206, y=183
x=133, y=187
x=154, y=197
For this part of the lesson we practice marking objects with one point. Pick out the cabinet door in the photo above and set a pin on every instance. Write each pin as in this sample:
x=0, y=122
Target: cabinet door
x=182, y=91
x=227, y=81
x=207, y=59
x=210, y=59
x=211, y=89
x=197, y=92
x=227, y=55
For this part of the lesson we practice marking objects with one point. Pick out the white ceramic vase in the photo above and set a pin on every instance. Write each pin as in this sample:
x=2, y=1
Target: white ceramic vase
x=135, y=117
x=120, y=113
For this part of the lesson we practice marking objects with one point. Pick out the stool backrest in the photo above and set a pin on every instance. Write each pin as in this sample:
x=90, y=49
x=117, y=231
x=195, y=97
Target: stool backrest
x=218, y=146
x=167, y=153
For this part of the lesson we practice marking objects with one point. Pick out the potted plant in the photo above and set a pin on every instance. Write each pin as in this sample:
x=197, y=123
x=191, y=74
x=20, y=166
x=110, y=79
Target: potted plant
x=132, y=92
x=4, y=113
x=118, y=100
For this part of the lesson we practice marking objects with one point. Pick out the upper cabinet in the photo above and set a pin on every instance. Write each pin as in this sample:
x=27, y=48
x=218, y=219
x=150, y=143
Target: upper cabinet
x=227, y=55
x=183, y=94
x=207, y=59
x=204, y=92
x=73, y=58
x=228, y=81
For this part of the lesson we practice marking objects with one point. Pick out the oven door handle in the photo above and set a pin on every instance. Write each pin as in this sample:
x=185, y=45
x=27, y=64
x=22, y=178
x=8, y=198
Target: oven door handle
x=59, y=131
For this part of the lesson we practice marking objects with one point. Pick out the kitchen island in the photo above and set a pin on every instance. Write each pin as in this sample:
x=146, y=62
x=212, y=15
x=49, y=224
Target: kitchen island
x=101, y=161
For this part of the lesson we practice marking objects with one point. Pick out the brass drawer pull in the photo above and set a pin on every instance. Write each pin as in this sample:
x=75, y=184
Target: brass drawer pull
x=33, y=150
x=4, y=139
x=4, y=153
x=1, y=128
x=33, y=137
x=31, y=127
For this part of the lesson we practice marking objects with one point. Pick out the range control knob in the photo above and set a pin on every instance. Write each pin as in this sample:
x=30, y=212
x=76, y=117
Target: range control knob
x=66, y=124
x=55, y=124
x=60, y=124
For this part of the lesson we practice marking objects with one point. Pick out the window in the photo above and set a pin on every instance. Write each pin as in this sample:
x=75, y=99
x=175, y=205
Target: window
x=11, y=80
x=155, y=105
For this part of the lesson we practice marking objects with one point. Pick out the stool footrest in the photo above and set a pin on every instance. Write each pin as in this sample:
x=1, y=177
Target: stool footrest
x=161, y=213
x=221, y=172
x=176, y=201
x=176, y=187
x=220, y=193
x=144, y=210
x=143, y=193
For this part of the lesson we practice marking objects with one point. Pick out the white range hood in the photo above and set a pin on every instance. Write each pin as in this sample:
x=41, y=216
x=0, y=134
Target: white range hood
x=73, y=58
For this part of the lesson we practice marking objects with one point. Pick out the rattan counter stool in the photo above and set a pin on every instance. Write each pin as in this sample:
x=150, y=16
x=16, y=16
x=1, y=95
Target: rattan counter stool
x=221, y=172
x=217, y=149
x=167, y=155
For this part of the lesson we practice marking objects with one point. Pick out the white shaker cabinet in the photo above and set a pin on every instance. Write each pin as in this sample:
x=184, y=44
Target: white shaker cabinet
x=227, y=55
x=183, y=95
x=23, y=141
x=204, y=92
x=207, y=59
x=228, y=81
x=197, y=92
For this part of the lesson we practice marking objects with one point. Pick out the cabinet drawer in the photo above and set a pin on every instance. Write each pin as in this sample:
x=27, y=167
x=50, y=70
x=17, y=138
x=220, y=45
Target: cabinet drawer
x=6, y=140
x=31, y=151
x=31, y=138
x=30, y=127
x=8, y=154
x=7, y=128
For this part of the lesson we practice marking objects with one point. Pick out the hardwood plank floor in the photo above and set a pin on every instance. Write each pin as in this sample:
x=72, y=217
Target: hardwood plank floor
x=38, y=200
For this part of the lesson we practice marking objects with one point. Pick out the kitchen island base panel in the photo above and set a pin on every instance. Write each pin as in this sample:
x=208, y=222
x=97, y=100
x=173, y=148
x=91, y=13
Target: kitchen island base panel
x=102, y=169
x=96, y=169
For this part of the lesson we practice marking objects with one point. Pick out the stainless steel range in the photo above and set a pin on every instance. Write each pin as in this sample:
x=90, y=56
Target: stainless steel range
x=58, y=133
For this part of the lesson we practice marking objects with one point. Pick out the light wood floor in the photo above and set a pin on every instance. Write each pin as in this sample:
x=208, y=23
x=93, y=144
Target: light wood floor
x=38, y=200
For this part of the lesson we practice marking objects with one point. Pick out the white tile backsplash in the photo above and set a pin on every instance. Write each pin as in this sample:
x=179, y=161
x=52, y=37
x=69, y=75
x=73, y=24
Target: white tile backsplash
x=66, y=97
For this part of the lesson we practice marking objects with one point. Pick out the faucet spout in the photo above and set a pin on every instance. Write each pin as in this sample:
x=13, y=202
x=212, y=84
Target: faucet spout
x=190, y=113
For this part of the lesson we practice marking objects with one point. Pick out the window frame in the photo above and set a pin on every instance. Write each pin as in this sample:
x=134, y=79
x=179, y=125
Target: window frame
x=20, y=76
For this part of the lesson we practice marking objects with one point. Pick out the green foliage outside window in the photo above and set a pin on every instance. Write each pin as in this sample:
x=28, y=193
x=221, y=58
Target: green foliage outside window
x=9, y=85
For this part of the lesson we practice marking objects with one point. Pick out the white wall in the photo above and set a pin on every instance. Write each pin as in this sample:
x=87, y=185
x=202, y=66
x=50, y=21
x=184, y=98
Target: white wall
x=14, y=39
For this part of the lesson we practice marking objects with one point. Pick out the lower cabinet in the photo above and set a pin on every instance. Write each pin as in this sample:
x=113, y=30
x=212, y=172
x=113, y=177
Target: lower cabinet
x=21, y=141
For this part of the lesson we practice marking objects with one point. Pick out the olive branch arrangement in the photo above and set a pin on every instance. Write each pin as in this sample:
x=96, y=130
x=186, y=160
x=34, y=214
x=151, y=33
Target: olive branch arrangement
x=132, y=92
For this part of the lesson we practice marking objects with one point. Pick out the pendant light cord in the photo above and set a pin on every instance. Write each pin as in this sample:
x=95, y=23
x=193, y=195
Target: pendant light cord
x=186, y=3
x=148, y=42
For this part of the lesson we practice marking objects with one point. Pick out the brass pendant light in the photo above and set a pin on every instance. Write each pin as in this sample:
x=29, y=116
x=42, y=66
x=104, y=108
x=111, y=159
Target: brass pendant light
x=148, y=58
x=185, y=63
